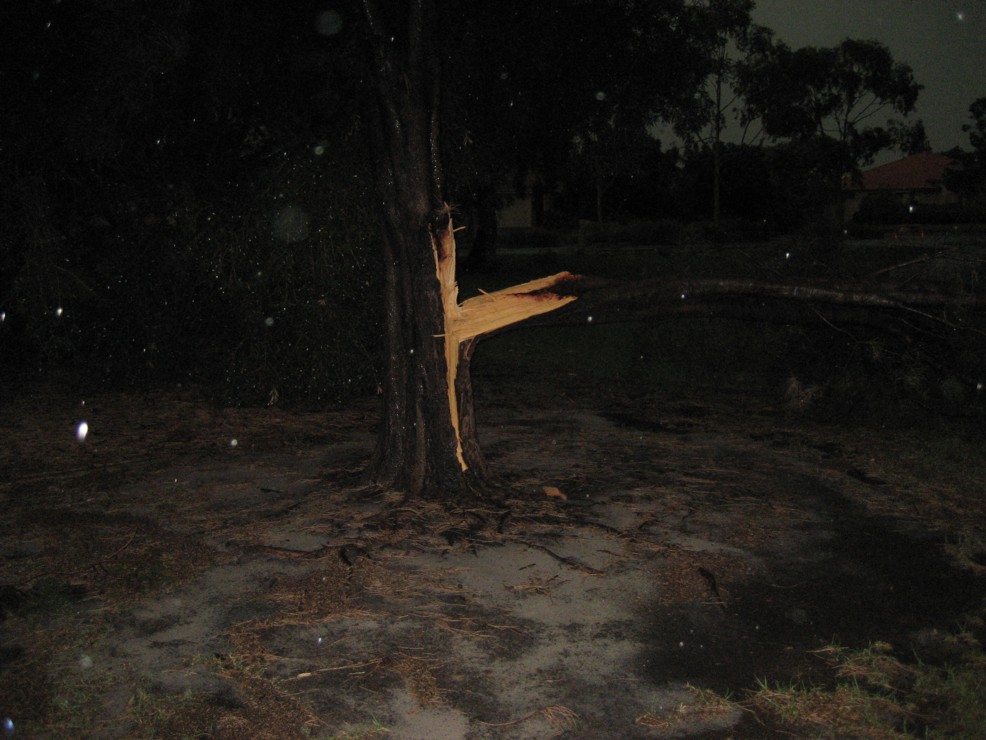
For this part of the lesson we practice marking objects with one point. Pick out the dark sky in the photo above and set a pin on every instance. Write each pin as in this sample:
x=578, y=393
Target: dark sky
x=944, y=41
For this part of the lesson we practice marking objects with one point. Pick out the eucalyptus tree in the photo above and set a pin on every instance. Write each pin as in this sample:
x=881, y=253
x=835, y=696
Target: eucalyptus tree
x=725, y=26
x=838, y=93
x=512, y=83
x=969, y=179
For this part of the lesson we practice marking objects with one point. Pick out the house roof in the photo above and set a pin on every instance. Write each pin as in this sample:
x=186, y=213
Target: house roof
x=922, y=171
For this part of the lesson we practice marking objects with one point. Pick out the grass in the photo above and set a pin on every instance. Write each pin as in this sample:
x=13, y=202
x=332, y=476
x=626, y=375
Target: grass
x=704, y=704
x=362, y=731
x=969, y=548
x=55, y=689
x=844, y=711
x=877, y=695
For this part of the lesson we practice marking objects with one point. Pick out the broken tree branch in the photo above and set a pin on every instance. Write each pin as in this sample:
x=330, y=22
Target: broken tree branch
x=485, y=313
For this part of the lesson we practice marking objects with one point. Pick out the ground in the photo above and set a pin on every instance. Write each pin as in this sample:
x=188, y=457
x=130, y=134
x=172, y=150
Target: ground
x=666, y=567
x=689, y=544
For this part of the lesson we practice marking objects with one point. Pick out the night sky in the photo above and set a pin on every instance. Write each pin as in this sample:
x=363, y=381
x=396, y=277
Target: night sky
x=943, y=41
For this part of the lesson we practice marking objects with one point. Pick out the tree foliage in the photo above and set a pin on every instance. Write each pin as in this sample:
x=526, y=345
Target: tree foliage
x=832, y=93
x=969, y=179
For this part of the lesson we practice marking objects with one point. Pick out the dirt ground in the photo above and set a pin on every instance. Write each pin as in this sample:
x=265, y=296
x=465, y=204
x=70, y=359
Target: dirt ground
x=188, y=571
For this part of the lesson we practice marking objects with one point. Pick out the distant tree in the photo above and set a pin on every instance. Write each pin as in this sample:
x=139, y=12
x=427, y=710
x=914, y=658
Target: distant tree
x=909, y=138
x=832, y=93
x=825, y=100
x=527, y=86
x=969, y=179
x=747, y=185
x=457, y=82
x=724, y=26
x=607, y=154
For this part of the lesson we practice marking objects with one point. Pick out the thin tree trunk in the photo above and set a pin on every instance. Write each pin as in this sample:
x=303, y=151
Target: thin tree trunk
x=483, y=250
x=717, y=158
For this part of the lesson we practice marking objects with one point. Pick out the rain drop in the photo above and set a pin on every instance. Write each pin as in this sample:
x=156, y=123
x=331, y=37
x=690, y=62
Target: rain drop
x=81, y=431
x=600, y=96
x=58, y=311
x=292, y=224
x=589, y=320
x=329, y=23
x=269, y=321
x=8, y=726
x=233, y=442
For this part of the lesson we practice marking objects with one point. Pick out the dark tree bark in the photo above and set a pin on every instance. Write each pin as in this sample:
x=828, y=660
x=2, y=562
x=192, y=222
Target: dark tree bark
x=416, y=449
x=427, y=445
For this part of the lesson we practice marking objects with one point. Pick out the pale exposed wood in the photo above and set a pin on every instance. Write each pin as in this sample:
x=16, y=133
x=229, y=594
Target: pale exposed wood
x=484, y=313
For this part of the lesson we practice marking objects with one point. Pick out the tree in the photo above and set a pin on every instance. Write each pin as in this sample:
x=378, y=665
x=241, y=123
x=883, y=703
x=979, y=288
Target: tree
x=605, y=70
x=725, y=24
x=427, y=445
x=828, y=98
x=969, y=179
x=833, y=93
x=527, y=84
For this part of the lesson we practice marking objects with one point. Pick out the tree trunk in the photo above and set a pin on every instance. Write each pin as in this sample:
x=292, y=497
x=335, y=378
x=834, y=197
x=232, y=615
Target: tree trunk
x=416, y=448
x=483, y=250
x=717, y=159
x=427, y=445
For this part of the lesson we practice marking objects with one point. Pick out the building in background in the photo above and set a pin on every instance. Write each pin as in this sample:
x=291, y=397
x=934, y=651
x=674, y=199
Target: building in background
x=906, y=183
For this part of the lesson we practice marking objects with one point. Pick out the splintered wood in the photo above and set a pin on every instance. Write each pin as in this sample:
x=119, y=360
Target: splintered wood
x=484, y=313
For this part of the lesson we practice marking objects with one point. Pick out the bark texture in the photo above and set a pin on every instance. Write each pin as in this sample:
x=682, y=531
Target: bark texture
x=416, y=448
x=427, y=445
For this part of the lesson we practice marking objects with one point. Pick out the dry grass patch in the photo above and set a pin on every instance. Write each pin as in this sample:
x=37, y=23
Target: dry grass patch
x=705, y=704
x=846, y=711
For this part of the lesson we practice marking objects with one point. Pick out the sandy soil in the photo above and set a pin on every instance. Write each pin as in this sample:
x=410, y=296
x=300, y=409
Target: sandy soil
x=218, y=572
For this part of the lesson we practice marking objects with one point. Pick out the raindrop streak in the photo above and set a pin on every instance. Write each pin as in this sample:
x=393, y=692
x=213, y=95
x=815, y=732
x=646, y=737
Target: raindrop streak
x=81, y=431
x=8, y=726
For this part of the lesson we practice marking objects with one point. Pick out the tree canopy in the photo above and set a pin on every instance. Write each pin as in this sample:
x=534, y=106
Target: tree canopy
x=969, y=179
x=836, y=94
